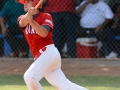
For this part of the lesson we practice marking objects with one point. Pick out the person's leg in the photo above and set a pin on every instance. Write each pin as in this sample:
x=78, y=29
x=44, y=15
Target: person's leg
x=70, y=30
x=1, y=47
x=23, y=47
x=58, y=31
x=58, y=80
x=11, y=39
x=111, y=39
x=32, y=83
x=48, y=61
x=32, y=77
x=1, y=44
x=116, y=40
x=109, y=42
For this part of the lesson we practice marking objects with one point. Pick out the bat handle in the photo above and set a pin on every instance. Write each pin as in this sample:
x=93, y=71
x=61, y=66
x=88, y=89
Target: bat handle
x=38, y=4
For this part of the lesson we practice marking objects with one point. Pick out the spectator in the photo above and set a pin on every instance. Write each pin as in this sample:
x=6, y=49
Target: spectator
x=64, y=19
x=2, y=2
x=11, y=10
x=94, y=17
x=112, y=31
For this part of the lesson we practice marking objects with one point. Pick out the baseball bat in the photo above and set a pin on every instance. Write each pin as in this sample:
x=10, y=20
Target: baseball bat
x=38, y=4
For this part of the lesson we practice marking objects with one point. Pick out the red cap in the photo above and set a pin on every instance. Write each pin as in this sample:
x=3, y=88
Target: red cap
x=22, y=1
x=34, y=2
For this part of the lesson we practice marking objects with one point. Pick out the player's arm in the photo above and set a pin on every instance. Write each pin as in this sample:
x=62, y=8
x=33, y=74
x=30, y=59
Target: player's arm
x=81, y=8
x=3, y=26
x=2, y=22
x=28, y=19
x=103, y=25
x=23, y=22
x=40, y=30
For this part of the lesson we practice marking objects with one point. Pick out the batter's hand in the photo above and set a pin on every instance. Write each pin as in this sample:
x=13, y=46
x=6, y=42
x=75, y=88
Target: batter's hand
x=29, y=15
x=28, y=18
x=32, y=11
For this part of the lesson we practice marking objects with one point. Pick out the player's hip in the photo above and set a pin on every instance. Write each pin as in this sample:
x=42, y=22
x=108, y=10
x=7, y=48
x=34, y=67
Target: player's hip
x=47, y=50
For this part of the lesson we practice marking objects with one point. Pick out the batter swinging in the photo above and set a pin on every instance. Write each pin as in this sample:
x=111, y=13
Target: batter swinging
x=37, y=28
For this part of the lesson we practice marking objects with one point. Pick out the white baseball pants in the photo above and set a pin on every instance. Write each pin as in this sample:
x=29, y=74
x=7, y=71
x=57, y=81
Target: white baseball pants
x=48, y=65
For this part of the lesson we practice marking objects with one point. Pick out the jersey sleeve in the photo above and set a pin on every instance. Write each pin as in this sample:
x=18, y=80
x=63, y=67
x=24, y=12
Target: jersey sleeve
x=19, y=18
x=47, y=20
x=107, y=11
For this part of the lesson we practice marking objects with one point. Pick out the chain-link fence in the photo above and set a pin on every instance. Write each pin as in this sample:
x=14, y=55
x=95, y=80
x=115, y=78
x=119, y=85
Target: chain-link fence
x=77, y=36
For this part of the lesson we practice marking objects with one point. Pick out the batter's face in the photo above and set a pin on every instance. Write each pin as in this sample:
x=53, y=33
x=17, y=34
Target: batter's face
x=28, y=4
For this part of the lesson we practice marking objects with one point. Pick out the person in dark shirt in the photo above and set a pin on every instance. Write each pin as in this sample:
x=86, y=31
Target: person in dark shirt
x=64, y=18
x=11, y=10
x=2, y=2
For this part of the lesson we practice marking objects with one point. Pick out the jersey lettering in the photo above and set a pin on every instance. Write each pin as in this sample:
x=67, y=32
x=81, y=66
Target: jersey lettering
x=30, y=30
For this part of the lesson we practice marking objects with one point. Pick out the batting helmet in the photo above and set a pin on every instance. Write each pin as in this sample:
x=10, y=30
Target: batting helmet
x=34, y=3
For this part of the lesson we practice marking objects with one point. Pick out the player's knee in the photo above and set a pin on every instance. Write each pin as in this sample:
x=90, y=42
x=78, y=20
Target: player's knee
x=31, y=82
x=27, y=78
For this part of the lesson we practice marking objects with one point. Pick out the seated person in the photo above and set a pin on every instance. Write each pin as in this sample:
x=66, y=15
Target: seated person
x=95, y=15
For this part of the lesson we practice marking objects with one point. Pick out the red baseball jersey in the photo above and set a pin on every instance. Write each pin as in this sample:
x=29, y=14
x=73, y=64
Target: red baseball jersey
x=35, y=41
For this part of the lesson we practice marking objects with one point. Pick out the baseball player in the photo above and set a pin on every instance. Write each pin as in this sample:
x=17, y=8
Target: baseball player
x=37, y=28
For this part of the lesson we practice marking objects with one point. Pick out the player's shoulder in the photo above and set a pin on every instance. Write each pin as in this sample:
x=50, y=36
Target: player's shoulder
x=45, y=14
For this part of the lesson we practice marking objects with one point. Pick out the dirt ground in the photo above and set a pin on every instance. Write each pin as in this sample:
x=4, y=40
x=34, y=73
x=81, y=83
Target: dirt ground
x=71, y=67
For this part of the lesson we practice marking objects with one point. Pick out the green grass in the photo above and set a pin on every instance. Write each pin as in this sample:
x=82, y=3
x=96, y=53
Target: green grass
x=16, y=82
